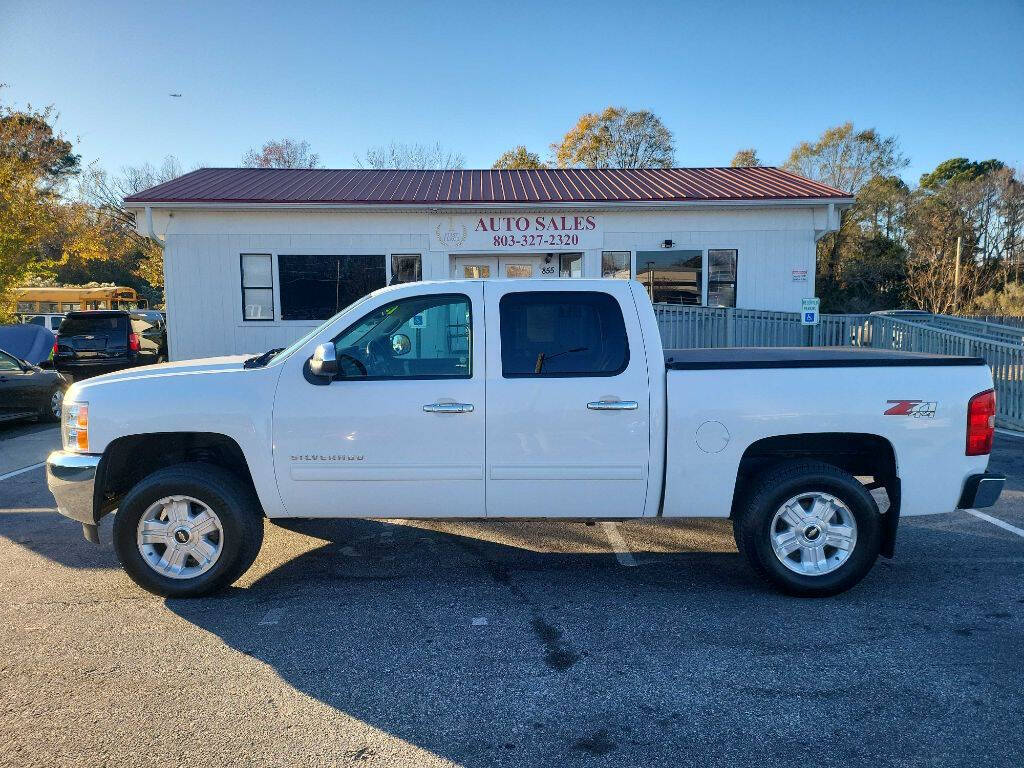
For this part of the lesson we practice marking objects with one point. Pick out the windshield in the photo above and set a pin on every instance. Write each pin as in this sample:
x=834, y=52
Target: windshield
x=288, y=351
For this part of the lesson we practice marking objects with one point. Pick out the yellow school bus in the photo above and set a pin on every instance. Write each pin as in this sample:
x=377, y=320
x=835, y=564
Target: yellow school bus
x=49, y=300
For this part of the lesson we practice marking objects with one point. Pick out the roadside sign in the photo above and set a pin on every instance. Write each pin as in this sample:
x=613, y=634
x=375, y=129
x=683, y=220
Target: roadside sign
x=809, y=311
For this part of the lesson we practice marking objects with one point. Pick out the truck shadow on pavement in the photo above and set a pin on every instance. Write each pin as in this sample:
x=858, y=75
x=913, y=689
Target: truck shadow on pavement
x=480, y=642
x=485, y=643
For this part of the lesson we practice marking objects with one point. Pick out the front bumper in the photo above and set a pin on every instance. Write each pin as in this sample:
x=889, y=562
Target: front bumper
x=981, y=491
x=71, y=478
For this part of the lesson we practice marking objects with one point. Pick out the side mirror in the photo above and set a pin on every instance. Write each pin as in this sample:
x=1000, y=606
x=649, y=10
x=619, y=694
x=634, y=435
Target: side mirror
x=324, y=361
x=400, y=344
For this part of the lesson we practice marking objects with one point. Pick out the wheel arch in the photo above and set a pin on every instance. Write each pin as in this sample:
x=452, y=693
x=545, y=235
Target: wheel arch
x=130, y=458
x=858, y=453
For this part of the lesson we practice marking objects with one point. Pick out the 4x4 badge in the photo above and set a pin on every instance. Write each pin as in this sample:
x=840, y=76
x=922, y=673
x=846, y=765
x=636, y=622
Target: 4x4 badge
x=916, y=408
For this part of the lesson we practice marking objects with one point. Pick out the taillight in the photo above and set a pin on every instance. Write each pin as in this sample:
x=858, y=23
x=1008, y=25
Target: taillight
x=133, y=342
x=981, y=423
x=55, y=340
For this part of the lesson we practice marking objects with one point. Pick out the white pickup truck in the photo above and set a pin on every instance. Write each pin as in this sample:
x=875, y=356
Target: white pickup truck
x=523, y=399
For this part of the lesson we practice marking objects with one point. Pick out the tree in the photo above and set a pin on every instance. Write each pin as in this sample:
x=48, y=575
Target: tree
x=410, y=157
x=36, y=228
x=132, y=259
x=1007, y=301
x=616, y=138
x=282, y=153
x=28, y=138
x=846, y=158
x=849, y=159
x=958, y=170
x=979, y=205
x=519, y=159
x=745, y=158
x=881, y=207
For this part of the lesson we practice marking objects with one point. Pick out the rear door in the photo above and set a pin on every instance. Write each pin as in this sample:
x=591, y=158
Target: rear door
x=568, y=405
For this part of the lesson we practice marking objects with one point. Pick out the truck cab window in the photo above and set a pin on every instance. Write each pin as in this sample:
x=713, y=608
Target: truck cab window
x=426, y=337
x=562, y=333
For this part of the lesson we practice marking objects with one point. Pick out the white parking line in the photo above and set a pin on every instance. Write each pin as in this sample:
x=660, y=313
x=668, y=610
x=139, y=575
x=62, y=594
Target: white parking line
x=996, y=521
x=1010, y=432
x=618, y=544
x=22, y=471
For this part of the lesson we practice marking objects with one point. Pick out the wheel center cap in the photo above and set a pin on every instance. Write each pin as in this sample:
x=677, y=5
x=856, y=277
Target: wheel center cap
x=181, y=535
x=812, y=532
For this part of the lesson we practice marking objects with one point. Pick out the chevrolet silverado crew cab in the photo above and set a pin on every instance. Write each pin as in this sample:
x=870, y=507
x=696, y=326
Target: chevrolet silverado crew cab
x=523, y=399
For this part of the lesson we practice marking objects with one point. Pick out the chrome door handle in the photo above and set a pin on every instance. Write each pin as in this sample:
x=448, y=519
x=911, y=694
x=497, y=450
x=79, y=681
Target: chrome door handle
x=448, y=408
x=613, y=405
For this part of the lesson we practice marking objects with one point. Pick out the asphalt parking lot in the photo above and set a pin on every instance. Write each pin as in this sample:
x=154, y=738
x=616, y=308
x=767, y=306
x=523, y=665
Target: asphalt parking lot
x=479, y=644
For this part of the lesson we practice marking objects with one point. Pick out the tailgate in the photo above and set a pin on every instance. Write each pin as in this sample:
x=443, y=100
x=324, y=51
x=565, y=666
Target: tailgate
x=89, y=337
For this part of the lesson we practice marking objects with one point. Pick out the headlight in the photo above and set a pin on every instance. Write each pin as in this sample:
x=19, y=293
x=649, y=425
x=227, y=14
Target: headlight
x=75, y=427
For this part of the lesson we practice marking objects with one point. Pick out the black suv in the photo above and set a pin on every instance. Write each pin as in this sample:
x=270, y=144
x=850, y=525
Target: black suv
x=101, y=341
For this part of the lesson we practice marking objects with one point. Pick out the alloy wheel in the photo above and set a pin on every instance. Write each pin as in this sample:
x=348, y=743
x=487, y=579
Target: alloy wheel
x=813, y=533
x=180, y=537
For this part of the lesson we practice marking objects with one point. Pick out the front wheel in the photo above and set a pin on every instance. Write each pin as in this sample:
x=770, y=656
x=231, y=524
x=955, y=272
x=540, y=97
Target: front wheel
x=809, y=528
x=50, y=411
x=187, y=530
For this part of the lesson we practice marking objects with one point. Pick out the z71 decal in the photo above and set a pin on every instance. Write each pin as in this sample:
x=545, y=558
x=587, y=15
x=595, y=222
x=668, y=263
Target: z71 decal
x=919, y=409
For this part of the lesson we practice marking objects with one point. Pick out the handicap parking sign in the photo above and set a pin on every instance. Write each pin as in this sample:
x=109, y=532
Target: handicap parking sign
x=809, y=311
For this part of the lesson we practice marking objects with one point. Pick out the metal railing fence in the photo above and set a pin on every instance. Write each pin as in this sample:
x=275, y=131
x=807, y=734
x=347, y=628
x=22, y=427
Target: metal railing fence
x=1001, y=348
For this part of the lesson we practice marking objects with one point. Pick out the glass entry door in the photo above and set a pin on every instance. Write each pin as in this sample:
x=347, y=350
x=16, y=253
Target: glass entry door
x=518, y=265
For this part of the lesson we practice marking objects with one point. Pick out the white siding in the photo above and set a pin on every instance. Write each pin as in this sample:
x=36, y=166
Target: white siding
x=202, y=273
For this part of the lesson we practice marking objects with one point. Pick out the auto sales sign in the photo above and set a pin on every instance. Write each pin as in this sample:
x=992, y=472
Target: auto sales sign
x=535, y=232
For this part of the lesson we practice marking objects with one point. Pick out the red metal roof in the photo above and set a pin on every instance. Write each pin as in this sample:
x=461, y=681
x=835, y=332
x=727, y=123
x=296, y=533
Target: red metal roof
x=561, y=185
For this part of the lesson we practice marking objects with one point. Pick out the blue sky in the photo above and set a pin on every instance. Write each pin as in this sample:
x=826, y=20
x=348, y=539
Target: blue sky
x=946, y=77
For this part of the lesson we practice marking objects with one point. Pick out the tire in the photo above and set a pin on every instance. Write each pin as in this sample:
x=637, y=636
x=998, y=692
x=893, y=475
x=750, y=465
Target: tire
x=46, y=412
x=203, y=489
x=814, y=568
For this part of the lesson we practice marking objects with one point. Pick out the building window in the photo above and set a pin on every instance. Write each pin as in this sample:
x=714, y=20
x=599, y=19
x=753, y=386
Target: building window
x=615, y=264
x=570, y=265
x=671, y=277
x=257, y=286
x=26, y=306
x=406, y=268
x=722, y=277
x=318, y=287
x=68, y=307
x=560, y=334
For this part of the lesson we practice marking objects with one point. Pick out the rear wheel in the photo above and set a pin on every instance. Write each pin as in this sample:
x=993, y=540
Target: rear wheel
x=188, y=530
x=809, y=528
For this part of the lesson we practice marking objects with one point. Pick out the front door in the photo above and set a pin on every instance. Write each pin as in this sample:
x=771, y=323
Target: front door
x=568, y=406
x=400, y=431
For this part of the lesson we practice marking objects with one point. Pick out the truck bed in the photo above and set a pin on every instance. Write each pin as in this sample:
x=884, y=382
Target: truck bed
x=805, y=357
